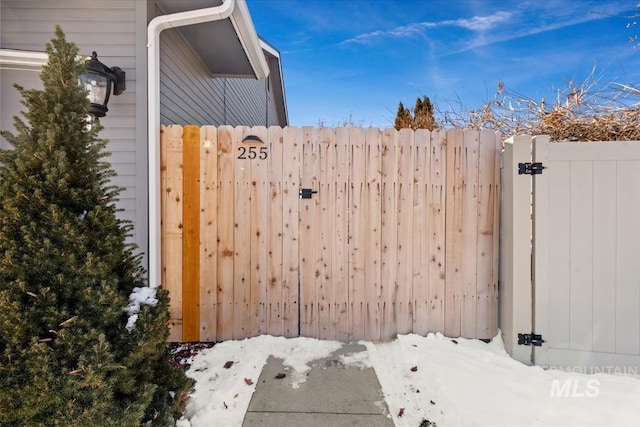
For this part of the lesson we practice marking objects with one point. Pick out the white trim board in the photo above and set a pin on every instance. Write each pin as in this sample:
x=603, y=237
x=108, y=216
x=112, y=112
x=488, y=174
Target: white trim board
x=11, y=59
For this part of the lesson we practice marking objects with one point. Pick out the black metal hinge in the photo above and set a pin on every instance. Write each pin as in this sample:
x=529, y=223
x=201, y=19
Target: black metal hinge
x=306, y=193
x=530, y=339
x=530, y=168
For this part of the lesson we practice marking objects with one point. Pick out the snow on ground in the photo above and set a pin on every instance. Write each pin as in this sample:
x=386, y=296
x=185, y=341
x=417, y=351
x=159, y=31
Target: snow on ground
x=222, y=394
x=448, y=382
x=476, y=384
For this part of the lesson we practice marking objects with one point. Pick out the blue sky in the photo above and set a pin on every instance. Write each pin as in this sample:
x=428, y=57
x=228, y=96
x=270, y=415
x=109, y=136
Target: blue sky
x=354, y=60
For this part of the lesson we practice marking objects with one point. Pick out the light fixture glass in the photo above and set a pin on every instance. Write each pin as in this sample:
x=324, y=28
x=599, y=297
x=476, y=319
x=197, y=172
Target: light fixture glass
x=96, y=86
x=98, y=81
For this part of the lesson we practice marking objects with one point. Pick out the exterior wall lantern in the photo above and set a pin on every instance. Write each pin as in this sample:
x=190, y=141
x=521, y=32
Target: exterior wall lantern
x=99, y=81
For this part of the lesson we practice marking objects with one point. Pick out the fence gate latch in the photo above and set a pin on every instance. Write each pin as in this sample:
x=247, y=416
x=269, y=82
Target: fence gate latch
x=530, y=339
x=306, y=193
x=530, y=168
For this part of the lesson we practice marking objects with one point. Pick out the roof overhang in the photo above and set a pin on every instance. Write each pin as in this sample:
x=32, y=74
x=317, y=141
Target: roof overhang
x=227, y=47
x=276, y=81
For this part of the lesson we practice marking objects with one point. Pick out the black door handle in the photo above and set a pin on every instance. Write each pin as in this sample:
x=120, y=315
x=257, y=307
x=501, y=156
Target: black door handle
x=306, y=193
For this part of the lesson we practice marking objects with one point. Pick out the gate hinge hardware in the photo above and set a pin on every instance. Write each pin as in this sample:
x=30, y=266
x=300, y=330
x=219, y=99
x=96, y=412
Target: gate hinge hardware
x=530, y=339
x=306, y=193
x=530, y=168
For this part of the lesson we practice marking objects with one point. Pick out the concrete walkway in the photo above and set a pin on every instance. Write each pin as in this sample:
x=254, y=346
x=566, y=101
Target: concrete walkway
x=333, y=395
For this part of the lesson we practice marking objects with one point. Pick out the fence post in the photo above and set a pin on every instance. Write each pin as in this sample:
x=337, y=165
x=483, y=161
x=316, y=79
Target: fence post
x=515, y=291
x=191, y=233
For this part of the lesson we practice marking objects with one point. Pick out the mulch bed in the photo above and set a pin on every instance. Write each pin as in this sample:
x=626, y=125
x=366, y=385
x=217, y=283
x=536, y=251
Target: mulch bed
x=182, y=352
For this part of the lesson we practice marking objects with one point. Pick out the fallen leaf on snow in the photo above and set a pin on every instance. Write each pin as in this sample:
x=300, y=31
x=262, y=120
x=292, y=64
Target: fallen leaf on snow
x=414, y=369
x=401, y=412
x=228, y=364
x=248, y=381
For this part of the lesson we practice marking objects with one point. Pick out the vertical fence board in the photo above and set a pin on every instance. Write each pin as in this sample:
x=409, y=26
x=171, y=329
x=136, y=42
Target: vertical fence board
x=516, y=304
x=469, y=250
x=292, y=145
x=357, y=232
x=421, y=232
x=404, y=291
x=604, y=255
x=325, y=211
x=191, y=234
x=275, y=236
x=436, y=225
x=453, y=251
x=340, y=235
x=389, y=233
x=497, y=191
x=309, y=229
x=486, y=234
x=171, y=199
x=581, y=257
x=225, y=213
x=258, y=235
x=208, y=233
x=627, y=338
x=242, y=316
x=373, y=233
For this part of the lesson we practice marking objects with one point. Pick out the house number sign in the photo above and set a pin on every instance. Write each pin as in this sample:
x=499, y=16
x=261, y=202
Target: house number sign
x=252, y=151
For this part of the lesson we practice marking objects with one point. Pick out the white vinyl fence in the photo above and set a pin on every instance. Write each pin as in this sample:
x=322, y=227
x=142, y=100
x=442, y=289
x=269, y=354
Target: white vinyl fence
x=571, y=253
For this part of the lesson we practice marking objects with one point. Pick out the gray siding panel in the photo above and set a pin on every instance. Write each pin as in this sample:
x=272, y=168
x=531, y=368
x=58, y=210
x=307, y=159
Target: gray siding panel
x=274, y=120
x=109, y=28
x=10, y=105
x=189, y=95
x=246, y=102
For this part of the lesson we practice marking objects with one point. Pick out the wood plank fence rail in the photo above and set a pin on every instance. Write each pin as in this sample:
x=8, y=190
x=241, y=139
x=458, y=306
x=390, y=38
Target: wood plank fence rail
x=401, y=236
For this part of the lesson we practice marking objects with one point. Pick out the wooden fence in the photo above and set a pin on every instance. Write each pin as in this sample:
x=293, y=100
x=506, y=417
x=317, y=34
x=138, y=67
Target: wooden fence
x=401, y=236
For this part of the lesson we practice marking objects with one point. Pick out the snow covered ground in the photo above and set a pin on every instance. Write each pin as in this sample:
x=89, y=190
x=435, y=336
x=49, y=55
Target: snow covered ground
x=448, y=382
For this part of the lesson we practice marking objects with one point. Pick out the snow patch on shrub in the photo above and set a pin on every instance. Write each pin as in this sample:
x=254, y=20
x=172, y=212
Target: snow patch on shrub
x=139, y=297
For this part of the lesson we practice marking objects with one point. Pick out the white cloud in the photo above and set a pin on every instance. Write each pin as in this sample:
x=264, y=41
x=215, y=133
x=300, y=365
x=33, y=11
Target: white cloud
x=492, y=28
x=475, y=23
x=521, y=31
x=482, y=23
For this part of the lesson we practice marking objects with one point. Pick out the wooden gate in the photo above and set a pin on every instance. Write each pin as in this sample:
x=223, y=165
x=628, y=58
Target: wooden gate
x=586, y=246
x=329, y=233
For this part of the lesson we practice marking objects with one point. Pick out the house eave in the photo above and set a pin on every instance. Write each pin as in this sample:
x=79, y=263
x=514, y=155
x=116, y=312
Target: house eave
x=227, y=47
x=276, y=81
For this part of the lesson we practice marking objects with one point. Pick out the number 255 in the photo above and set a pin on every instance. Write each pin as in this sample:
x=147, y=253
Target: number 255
x=252, y=153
